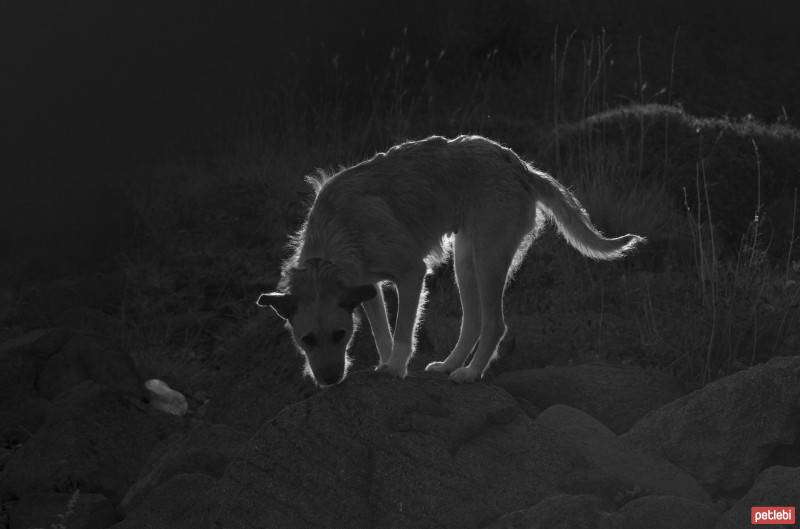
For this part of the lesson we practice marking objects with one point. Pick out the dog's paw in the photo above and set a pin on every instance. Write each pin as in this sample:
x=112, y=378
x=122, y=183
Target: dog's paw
x=382, y=367
x=388, y=369
x=438, y=367
x=464, y=375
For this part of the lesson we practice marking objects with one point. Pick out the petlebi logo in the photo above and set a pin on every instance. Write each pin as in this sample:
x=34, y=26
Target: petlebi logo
x=772, y=515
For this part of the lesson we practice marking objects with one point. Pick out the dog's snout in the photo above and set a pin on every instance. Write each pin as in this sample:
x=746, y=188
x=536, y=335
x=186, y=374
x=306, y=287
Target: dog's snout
x=330, y=375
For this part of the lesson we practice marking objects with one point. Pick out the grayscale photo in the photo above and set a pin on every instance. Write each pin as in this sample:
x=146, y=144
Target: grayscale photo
x=400, y=265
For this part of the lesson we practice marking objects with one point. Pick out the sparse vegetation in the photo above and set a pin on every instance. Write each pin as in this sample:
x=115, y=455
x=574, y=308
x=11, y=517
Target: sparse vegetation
x=712, y=292
x=715, y=289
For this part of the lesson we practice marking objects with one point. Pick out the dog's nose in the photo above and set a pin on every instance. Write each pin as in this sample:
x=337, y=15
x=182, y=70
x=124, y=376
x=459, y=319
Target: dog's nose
x=330, y=375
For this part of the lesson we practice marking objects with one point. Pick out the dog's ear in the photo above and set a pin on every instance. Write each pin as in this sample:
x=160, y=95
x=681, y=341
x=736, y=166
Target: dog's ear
x=284, y=305
x=353, y=296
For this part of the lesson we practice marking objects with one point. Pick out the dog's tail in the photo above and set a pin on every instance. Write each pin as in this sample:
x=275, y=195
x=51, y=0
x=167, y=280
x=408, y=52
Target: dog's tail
x=560, y=205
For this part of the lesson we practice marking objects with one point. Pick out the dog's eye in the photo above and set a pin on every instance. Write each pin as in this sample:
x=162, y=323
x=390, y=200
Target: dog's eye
x=337, y=335
x=309, y=339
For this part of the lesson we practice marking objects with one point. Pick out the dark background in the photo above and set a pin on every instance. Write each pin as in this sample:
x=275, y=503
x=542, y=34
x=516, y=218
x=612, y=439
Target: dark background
x=152, y=163
x=93, y=88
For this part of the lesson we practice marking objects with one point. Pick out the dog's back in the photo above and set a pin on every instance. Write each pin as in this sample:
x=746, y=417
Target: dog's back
x=396, y=206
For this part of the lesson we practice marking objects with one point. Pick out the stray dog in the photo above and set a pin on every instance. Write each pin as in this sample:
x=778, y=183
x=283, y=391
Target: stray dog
x=394, y=218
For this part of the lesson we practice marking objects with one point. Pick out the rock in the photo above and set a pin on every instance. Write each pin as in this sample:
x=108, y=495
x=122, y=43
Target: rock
x=22, y=410
x=723, y=433
x=666, y=512
x=562, y=511
x=165, y=399
x=785, y=455
x=86, y=357
x=22, y=358
x=56, y=509
x=93, y=438
x=206, y=449
x=20, y=420
x=423, y=452
x=380, y=452
x=617, y=396
x=599, y=462
x=182, y=501
x=774, y=486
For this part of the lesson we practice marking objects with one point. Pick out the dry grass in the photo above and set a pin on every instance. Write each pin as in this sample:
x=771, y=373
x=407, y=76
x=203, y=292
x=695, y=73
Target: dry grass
x=690, y=303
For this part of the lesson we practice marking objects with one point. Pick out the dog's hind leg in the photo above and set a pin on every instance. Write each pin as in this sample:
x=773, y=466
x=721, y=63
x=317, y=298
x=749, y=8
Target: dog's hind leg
x=375, y=310
x=409, y=289
x=494, y=249
x=470, y=306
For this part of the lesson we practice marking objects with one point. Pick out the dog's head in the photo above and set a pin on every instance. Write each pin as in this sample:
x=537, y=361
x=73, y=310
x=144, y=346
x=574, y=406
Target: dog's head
x=321, y=322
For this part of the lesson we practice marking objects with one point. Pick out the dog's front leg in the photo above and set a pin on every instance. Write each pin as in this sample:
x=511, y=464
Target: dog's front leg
x=375, y=310
x=409, y=289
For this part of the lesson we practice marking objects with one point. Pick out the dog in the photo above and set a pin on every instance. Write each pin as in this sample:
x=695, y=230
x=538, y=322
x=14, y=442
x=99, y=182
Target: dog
x=394, y=218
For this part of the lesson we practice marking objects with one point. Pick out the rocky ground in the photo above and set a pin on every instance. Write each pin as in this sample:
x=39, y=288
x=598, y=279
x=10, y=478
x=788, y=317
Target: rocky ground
x=592, y=445
x=137, y=249
x=581, y=423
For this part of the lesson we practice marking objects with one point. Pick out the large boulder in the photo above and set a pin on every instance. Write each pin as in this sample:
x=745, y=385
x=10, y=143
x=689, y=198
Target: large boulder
x=723, y=433
x=785, y=455
x=94, y=439
x=379, y=452
x=597, y=459
x=420, y=452
x=22, y=418
x=204, y=449
x=666, y=512
x=775, y=486
x=22, y=410
x=617, y=396
x=22, y=358
x=184, y=500
x=59, y=509
x=562, y=511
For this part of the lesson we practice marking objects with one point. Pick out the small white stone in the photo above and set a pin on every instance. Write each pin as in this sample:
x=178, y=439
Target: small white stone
x=166, y=399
